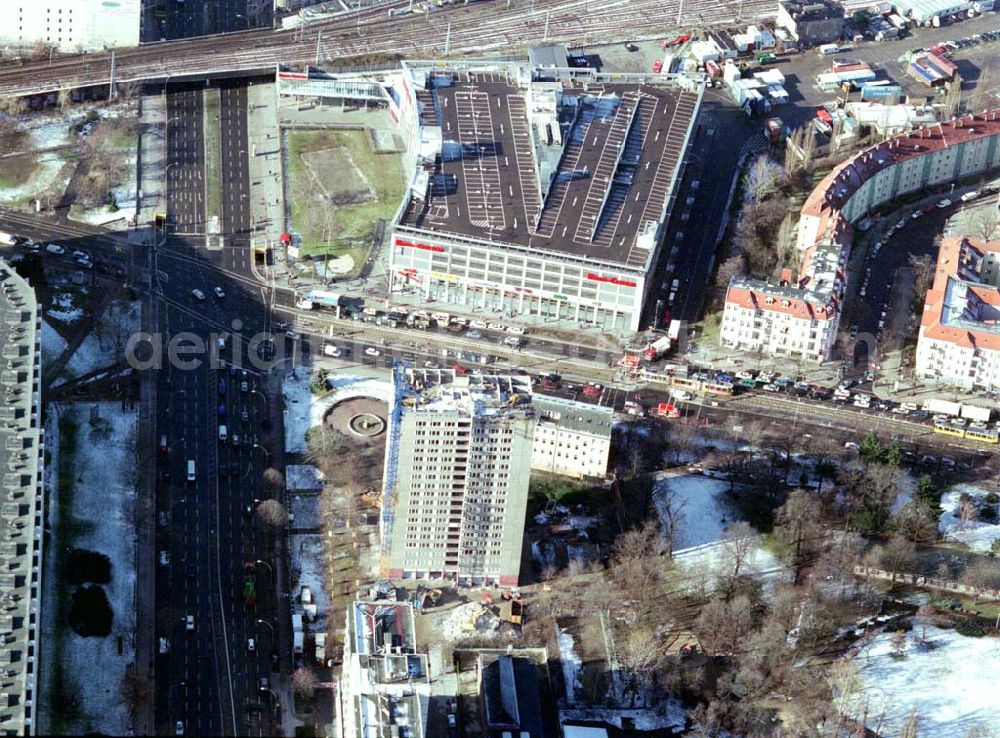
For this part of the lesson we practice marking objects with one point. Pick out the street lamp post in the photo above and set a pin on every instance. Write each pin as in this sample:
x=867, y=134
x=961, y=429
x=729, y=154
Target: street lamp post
x=270, y=569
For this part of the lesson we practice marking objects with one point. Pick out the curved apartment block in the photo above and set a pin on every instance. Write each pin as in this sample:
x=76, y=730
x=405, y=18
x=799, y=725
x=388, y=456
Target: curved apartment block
x=21, y=503
x=800, y=316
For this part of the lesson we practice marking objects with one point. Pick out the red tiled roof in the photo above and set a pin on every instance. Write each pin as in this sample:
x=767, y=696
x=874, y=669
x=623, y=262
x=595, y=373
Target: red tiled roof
x=947, y=267
x=754, y=300
x=838, y=186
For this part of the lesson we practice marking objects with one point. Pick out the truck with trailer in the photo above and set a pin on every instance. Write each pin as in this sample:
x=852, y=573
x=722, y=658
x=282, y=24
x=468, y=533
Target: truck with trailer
x=974, y=412
x=942, y=407
x=657, y=348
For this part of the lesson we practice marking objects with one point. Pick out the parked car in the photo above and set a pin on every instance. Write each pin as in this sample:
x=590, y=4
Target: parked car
x=54, y=248
x=473, y=334
x=198, y=294
x=219, y=292
x=372, y=351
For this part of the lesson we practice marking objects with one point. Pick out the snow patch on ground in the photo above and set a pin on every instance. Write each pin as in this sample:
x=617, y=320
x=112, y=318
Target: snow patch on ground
x=906, y=484
x=49, y=134
x=704, y=518
x=668, y=716
x=53, y=344
x=63, y=308
x=299, y=477
x=97, y=350
x=570, y=663
x=703, y=512
x=307, y=562
x=951, y=683
x=103, y=471
x=975, y=534
x=304, y=410
x=48, y=166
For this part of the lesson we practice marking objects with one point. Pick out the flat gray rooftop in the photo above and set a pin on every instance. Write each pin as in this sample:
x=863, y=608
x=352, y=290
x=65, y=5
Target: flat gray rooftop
x=619, y=161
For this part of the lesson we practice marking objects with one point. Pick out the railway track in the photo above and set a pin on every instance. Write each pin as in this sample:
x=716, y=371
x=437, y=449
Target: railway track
x=486, y=26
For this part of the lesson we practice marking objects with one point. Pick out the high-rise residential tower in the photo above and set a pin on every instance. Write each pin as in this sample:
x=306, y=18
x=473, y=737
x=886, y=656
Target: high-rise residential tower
x=458, y=458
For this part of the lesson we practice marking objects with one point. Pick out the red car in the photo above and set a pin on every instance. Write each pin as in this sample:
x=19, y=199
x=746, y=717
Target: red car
x=657, y=66
x=592, y=390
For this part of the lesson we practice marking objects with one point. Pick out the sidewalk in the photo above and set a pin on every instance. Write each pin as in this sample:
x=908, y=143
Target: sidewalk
x=152, y=195
x=267, y=195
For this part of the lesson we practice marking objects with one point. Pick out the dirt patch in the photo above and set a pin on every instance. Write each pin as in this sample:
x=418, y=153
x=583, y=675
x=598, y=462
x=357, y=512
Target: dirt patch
x=338, y=179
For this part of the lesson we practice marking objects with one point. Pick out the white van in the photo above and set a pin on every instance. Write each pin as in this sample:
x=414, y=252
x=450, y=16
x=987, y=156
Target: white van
x=829, y=49
x=191, y=474
x=223, y=433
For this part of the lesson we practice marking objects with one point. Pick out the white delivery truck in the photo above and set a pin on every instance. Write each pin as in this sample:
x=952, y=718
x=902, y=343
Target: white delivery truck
x=191, y=474
x=829, y=49
x=7, y=240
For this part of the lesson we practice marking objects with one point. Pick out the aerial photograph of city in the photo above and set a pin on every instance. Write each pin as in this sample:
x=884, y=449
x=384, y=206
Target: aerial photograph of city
x=500, y=368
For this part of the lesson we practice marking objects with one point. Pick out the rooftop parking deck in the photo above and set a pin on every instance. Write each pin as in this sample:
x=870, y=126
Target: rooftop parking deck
x=622, y=147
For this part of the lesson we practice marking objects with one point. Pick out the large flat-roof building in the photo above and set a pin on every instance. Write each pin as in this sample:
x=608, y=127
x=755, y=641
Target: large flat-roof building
x=543, y=197
x=800, y=319
x=72, y=25
x=457, y=465
x=21, y=503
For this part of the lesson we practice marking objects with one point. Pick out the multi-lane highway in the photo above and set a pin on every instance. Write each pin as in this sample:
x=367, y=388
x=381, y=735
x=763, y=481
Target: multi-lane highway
x=479, y=27
x=215, y=539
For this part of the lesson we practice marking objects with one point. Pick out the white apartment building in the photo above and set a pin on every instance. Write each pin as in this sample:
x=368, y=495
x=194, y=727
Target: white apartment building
x=572, y=439
x=457, y=466
x=71, y=25
x=21, y=504
x=959, y=339
x=801, y=316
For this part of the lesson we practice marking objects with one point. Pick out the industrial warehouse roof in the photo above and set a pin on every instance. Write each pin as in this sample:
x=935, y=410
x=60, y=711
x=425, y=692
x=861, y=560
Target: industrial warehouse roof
x=612, y=175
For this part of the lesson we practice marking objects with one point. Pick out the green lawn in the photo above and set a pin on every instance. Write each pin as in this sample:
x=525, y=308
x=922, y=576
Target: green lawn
x=213, y=151
x=336, y=228
x=16, y=170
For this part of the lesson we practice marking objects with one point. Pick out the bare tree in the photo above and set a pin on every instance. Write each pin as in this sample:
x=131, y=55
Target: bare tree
x=967, y=510
x=116, y=326
x=272, y=513
x=671, y=509
x=982, y=574
x=896, y=557
x=922, y=267
x=985, y=223
x=898, y=643
x=304, y=682
x=722, y=625
x=639, y=652
x=635, y=558
x=911, y=728
x=272, y=481
x=733, y=266
x=738, y=541
x=797, y=525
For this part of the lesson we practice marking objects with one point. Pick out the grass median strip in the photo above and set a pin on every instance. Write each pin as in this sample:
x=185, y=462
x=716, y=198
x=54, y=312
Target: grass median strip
x=213, y=151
